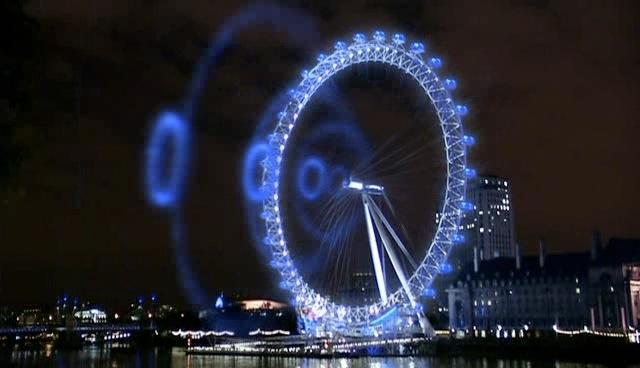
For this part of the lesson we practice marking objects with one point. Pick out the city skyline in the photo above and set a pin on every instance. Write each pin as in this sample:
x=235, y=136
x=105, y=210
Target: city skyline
x=75, y=217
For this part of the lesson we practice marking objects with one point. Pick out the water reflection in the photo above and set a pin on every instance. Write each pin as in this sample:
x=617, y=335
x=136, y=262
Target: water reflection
x=176, y=358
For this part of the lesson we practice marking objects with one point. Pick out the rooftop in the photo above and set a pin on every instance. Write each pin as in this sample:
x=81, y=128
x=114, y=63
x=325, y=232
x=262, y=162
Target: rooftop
x=617, y=252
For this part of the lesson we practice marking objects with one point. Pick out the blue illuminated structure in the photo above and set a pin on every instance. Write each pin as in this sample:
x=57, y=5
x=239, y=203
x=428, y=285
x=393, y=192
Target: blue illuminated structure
x=446, y=268
x=219, y=302
x=466, y=206
x=321, y=313
x=429, y=293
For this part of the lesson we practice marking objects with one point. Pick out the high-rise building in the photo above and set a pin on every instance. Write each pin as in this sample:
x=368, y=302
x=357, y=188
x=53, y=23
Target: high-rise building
x=489, y=227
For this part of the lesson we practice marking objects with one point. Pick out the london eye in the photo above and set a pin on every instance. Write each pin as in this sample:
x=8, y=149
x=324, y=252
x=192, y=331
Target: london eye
x=402, y=279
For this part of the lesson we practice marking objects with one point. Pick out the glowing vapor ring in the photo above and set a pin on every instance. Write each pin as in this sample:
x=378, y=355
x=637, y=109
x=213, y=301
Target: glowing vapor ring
x=311, y=192
x=346, y=132
x=300, y=30
x=170, y=128
x=256, y=154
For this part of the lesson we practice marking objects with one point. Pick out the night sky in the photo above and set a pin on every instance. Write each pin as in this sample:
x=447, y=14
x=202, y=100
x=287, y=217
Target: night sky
x=553, y=89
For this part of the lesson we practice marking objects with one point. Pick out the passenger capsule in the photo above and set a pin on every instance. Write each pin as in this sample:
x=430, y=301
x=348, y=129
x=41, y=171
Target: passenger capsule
x=417, y=48
x=458, y=238
x=466, y=206
x=462, y=110
x=450, y=84
x=469, y=173
x=339, y=45
x=359, y=38
x=468, y=140
x=398, y=39
x=435, y=62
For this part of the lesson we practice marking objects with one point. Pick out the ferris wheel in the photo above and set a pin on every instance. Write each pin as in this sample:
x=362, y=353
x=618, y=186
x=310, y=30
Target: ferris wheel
x=384, y=237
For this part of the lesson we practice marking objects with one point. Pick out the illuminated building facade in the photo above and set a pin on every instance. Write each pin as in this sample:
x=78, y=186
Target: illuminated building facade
x=489, y=225
x=250, y=318
x=92, y=315
x=261, y=304
x=31, y=316
x=599, y=290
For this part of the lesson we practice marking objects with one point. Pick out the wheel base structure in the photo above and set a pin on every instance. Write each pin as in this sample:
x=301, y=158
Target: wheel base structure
x=403, y=321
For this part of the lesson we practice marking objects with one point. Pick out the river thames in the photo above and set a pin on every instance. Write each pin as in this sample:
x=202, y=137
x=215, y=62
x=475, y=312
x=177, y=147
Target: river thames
x=176, y=357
